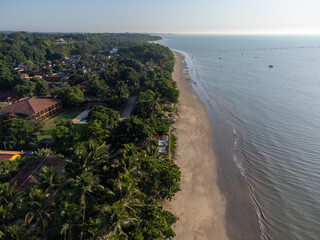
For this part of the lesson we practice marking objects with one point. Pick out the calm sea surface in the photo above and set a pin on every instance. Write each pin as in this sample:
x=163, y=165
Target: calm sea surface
x=274, y=113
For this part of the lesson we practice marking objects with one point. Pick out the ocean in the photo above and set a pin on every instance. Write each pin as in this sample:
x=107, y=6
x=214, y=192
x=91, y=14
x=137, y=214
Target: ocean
x=267, y=91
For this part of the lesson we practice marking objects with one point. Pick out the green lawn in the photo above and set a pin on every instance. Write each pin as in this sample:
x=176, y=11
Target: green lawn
x=51, y=122
x=47, y=131
x=66, y=115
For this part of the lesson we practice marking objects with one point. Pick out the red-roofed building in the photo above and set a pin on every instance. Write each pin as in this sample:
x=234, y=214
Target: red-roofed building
x=37, y=76
x=41, y=107
x=9, y=155
x=55, y=78
x=23, y=76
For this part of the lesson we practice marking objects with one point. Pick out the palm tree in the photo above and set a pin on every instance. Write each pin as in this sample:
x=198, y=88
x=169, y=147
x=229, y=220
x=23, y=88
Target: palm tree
x=126, y=192
x=129, y=160
x=93, y=228
x=49, y=180
x=97, y=154
x=5, y=214
x=87, y=158
x=38, y=205
x=9, y=200
x=121, y=219
x=122, y=214
x=84, y=186
x=68, y=218
x=15, y=232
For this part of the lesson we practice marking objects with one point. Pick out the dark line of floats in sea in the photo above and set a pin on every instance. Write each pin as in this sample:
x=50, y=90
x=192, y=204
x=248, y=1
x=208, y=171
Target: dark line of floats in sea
x=265, y=49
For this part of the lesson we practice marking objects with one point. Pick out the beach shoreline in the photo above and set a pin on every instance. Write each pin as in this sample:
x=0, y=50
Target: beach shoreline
x=199, y=205
x=214, y=201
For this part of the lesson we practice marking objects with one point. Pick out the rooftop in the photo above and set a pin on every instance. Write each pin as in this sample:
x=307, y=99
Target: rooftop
x=7, y=155
x=30, y=106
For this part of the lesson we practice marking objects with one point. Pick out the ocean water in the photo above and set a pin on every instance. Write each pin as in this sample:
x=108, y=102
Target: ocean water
x=274, y=113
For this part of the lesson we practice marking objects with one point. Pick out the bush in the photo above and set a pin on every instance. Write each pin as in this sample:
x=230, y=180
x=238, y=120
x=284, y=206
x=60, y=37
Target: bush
x=172, y=145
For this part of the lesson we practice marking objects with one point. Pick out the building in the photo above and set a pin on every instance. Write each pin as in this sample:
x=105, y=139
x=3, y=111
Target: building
x=25, y=76
x=55, y=79
x=114, y=51
x=37, y=76
x=42, y=108
x=9, y=155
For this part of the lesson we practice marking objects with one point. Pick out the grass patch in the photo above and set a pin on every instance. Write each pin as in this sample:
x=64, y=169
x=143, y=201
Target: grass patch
x=172, y=145
x=50, y=123
x=69, y=115
x=66, y=115
x=47, y=131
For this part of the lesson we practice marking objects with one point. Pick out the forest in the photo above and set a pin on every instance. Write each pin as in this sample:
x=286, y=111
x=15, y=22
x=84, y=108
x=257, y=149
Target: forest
x=104, y=179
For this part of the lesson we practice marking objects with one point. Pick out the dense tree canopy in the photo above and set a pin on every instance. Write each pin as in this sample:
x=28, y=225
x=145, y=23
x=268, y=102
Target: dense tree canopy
x=20, y=47
x=106, y=116
x=101, y=121
x=130, y=130
x=161, y=178
x=148, y=104
x=108, y=183
x=161, y=126
x=65, y=136
x=17, y=133
x=71, y=96
x=155, y=223
x=24, y=88
x=41, y=87
x=6, y=77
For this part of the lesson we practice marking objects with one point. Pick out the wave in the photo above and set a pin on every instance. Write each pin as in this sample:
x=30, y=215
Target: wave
x=211, y=102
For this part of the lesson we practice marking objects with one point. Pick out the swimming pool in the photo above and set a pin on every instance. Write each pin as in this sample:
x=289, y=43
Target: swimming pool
x=84, y=119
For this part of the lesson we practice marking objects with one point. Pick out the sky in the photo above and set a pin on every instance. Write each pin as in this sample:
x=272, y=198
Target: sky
x=162, y=16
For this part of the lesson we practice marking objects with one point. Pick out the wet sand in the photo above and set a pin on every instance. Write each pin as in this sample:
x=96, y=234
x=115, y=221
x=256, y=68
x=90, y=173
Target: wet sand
x=199, y=205
x=214, y=202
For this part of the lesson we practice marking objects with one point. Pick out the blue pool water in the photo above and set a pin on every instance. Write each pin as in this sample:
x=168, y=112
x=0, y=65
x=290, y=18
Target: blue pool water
x=84, y=119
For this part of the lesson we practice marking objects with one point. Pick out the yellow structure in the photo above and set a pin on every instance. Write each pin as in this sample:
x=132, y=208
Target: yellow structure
x=9, y=155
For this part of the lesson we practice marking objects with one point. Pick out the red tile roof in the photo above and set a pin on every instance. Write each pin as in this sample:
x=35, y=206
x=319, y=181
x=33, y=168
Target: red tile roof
x=37, y=76
x=30, y=106
x=25, y=76
x=54, y=78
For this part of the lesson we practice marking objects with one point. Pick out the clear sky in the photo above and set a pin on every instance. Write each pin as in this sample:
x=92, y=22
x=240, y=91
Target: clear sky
x=162, y=16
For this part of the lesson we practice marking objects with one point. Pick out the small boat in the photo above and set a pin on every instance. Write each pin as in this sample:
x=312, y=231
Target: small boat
x=270, y=66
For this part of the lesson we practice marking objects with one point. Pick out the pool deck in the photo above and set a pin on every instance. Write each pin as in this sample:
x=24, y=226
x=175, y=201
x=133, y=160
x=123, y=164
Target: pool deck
x=77, y=119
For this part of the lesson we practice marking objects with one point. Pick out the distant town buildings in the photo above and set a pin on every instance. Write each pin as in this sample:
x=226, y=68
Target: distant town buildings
x=56, y=79
x=20, y=68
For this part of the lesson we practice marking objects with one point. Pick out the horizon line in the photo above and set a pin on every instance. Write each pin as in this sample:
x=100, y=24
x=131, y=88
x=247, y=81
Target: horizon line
x=176, y=33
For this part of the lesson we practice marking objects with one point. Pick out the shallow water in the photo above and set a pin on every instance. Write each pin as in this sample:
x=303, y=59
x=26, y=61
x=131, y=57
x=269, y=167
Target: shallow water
x=274, y=113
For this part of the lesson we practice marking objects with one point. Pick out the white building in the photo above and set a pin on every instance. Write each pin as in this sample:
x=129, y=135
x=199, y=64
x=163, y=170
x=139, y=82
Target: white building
x=114, y=51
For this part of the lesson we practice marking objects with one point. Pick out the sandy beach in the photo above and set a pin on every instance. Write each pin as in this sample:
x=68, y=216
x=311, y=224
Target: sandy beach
x=199, y=205
x=214, y=202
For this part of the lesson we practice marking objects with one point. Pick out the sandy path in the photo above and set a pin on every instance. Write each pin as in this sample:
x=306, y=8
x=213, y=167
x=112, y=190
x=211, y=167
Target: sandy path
x=199, y=205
